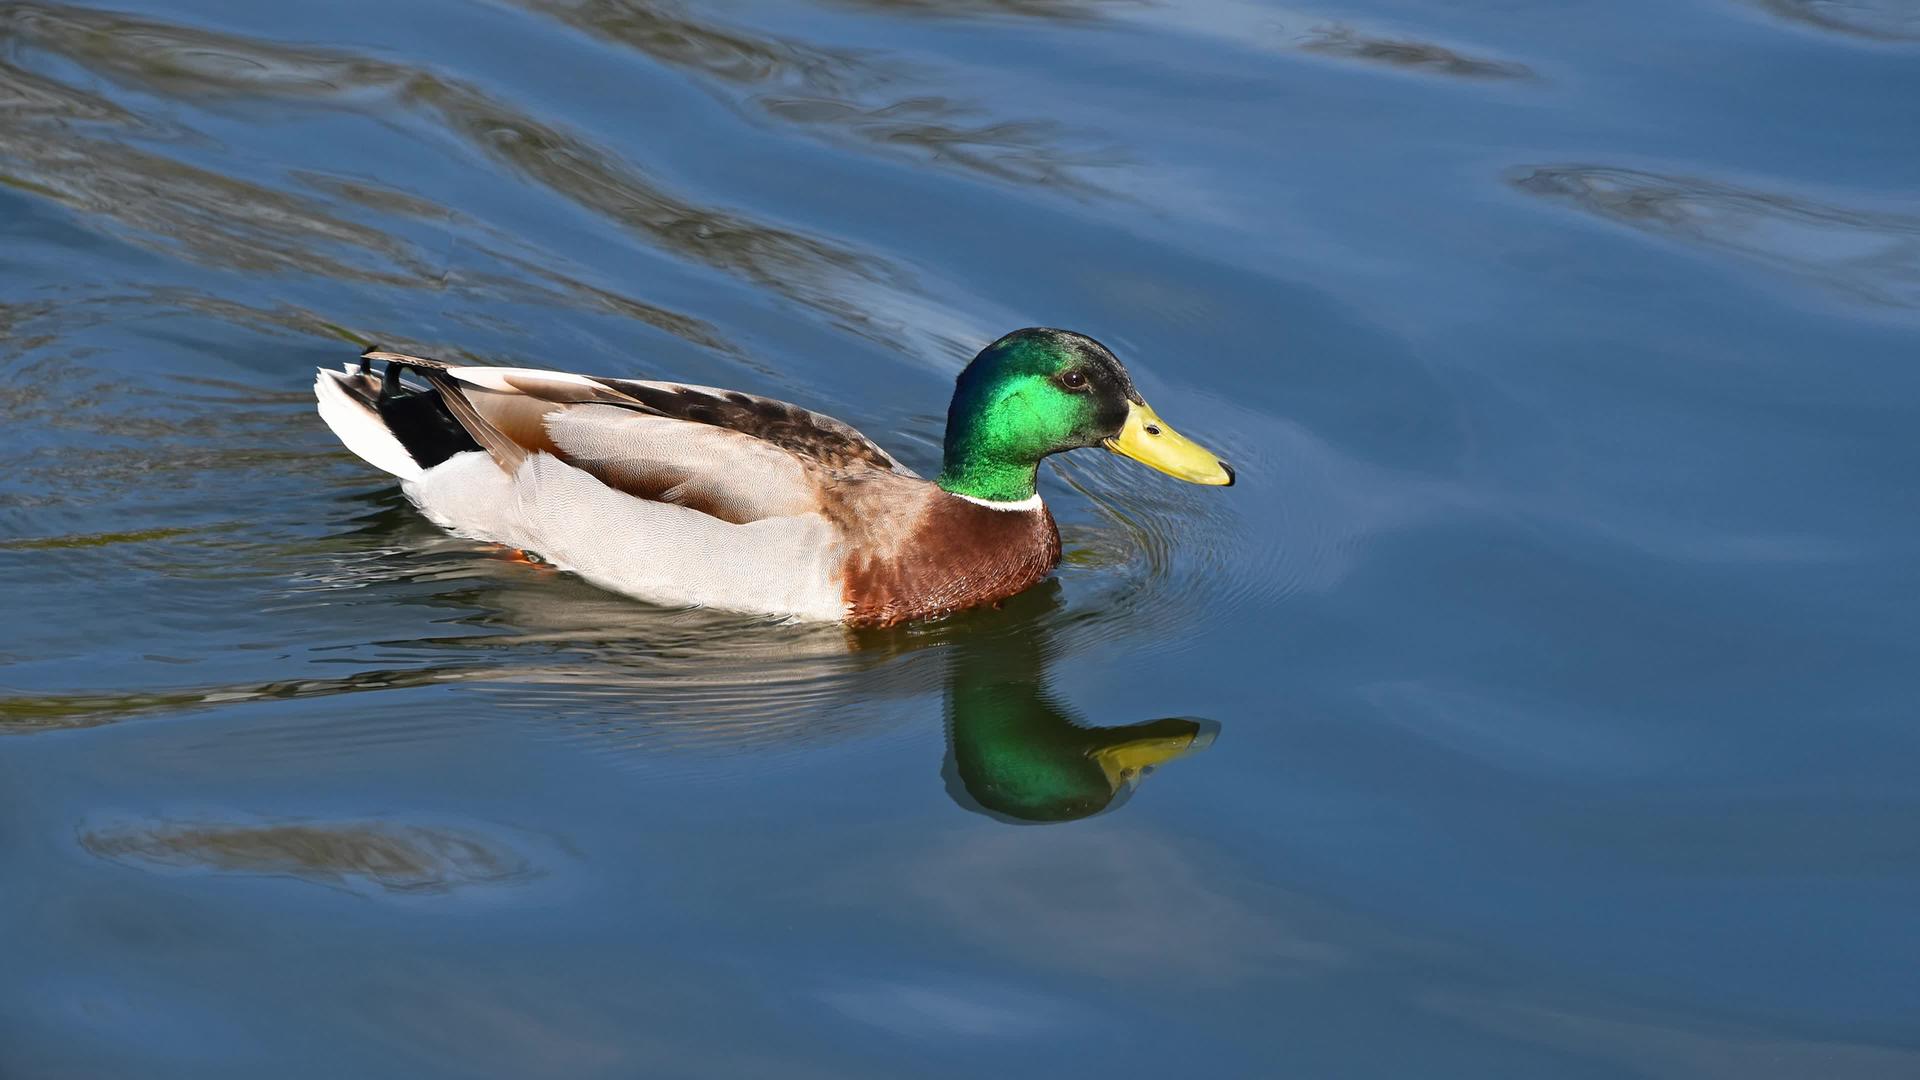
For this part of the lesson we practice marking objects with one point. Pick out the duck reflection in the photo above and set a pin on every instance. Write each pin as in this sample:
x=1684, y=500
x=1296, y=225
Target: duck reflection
x=1017, y=752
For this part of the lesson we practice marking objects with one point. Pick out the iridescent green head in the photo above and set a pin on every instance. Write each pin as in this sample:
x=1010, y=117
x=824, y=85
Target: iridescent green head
x=1037, y=392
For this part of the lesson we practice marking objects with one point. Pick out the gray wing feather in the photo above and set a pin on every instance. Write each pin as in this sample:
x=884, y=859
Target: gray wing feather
x=732, y=476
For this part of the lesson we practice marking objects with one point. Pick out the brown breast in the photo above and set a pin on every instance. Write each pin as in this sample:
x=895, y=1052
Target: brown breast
x=951, y=554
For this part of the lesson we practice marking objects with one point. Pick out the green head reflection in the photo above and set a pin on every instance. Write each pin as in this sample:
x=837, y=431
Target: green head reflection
x=1017, y=752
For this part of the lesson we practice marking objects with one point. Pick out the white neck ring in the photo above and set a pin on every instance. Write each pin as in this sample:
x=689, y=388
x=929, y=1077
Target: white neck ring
x=1031, y=502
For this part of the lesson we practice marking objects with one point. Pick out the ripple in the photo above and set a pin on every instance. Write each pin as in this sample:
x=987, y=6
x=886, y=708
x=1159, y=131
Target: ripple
x=92, y=540
x=1155, y=560
x=204, y=215
x=1258, y=26
x=27, y=713
x=1866, y=255
x=1346, y=43
x=1103, y=904
x=24, y=94
x=248, y=226
x=1144, y=558
x=1877, y=20
x=842, y=94
x=159, y=202
x=1055, y=10
x=1546, y=743
x=1668, y=1043
x=368, y=857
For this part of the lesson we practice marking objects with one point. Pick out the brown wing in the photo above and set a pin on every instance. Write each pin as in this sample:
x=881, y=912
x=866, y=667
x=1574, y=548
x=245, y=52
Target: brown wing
x=734, y=456
x=817, y=436
x=822, y=438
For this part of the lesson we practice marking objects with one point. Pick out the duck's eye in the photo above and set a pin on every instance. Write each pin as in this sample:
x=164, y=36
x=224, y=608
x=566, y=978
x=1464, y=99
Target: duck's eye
x=1073, y=380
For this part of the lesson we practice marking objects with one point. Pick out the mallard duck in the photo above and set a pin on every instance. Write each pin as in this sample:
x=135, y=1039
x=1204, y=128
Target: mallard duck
x=697, y=496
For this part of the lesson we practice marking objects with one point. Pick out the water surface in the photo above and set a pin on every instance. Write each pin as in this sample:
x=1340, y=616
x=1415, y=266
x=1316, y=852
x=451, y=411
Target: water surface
x=1538, y=704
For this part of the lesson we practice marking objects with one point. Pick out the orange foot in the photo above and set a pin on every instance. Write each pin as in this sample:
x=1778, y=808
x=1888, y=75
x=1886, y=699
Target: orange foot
x=523, y=556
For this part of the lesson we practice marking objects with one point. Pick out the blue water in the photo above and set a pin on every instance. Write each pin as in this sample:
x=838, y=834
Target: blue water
x=1557, y=645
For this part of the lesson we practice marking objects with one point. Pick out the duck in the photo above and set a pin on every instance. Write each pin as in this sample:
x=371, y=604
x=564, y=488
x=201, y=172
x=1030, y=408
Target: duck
x=695, y=496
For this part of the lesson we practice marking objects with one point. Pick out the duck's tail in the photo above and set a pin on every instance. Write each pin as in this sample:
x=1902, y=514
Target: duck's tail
x=400, y=429
x=347, y=403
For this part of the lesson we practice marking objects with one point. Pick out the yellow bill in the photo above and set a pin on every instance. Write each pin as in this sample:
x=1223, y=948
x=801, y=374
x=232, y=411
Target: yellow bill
x=1148, y=440
x=1126, y=762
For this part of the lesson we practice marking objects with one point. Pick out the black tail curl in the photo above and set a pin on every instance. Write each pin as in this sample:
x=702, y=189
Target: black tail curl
x=417, y=416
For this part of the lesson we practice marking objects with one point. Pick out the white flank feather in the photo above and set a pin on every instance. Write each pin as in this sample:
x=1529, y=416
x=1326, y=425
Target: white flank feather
x=655, y=551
